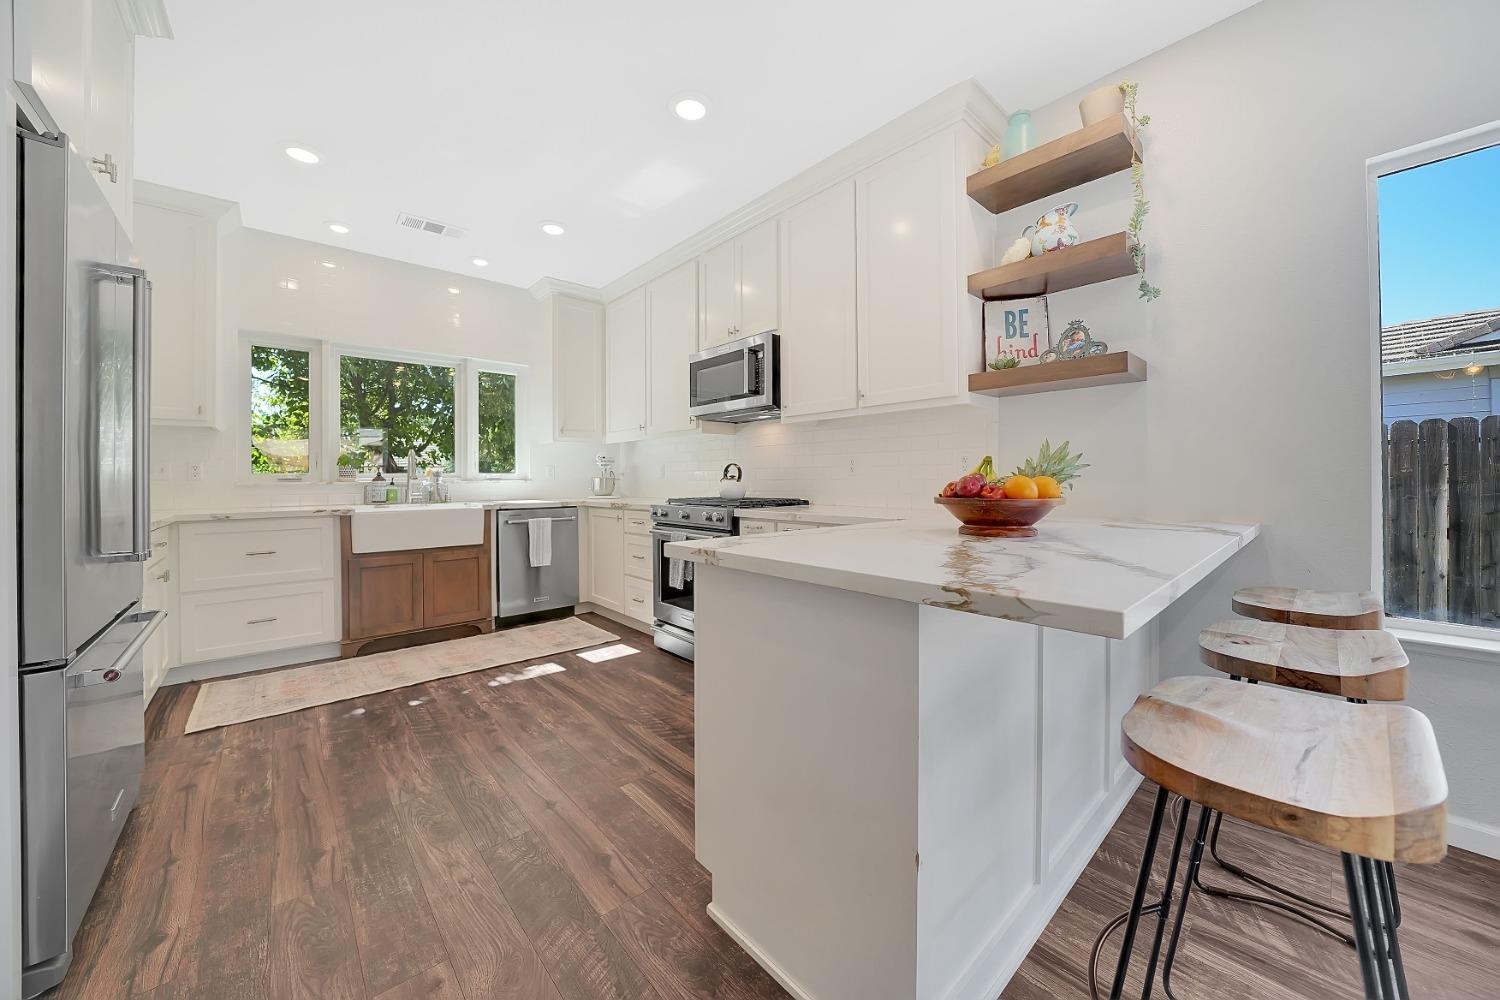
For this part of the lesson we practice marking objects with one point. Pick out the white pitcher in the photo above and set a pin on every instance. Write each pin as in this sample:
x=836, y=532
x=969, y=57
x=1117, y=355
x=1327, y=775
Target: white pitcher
x=1053, y=231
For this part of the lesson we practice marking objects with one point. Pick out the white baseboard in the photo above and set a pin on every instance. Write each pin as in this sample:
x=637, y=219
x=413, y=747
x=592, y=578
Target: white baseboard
x=214, y=669
x=614, y=616
x=755, y=951
x=1471, y=835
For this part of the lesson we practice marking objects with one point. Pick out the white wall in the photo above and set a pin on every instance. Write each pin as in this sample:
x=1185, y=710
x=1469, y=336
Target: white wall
x=1260, y=403
x=369, y=301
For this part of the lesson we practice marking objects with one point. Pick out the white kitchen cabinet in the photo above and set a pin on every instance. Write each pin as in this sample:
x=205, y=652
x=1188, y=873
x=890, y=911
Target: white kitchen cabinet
x=110, y=129
x=158, y=594
x=52, y=46
x=625, y=367
x=606, y=547
x=740, y=286
x=748, y=526
x=577, y=369
x=219, y=624
x=819, y=346
x=219, y=554
x=639, y=600
x=908, y=275
x=177, y=242
x=672, y=322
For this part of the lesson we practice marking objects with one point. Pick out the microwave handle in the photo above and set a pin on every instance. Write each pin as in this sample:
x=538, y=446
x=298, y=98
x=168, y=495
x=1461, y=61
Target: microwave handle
x=750, y=366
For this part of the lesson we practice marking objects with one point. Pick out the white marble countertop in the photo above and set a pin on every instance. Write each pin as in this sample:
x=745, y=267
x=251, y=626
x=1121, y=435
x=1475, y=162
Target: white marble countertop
x=162, y=518
x=1102, y=577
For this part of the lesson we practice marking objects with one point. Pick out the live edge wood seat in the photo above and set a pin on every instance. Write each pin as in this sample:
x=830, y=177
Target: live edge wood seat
x=1368, y=665
x=1316, y=608
x=1362, y=779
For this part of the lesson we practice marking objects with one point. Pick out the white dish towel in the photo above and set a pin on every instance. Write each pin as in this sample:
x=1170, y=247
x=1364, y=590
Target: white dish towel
x=539, y=535
x=679, y=571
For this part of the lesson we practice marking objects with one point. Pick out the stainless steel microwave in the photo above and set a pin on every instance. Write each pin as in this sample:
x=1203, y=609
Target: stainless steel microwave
x=736, y=382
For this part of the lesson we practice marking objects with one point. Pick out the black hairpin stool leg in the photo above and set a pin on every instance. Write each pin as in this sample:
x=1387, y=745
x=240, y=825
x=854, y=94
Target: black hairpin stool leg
x=1138, y=907
x=1374, y=930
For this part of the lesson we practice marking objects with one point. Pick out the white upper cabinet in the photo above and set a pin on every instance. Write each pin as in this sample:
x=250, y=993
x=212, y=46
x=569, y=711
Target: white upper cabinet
x=672, y=319
x=818, y=335
x=177, y=242
x=110, y=131
x=908, y=275
x=740, y=293
x=577, y=369
x=79, y=56
x=625, y=367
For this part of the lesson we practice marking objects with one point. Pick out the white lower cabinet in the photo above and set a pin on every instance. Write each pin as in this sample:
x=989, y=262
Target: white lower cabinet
x=256, y=586
x=638, y=599
x=606, y=559
x=750, y=527
x=218, y=624
x=158, y=593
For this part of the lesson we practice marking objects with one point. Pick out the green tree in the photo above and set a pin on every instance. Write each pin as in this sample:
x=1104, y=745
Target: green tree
x=412, y=403
x=279, y=394
x=497, y=423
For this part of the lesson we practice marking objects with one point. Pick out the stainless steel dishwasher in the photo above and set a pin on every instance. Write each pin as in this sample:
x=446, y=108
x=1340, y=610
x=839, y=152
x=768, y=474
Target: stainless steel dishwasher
x=525, y=589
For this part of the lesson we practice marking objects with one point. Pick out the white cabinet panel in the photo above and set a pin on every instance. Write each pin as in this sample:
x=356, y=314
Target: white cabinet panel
x=638, y=600
x=1075, y=735
x=218, y=624
x=721, y=307
x=625, y=367
x=818, y=330
x=908, y=275
x=638, y=557
x=637, y=522
x=758, y=252
x=55, y=37
x=111, y=100
x=756, y=527
x=672, y=319
x=250, y=553
x=577, y=369
x=606, y=559
x=179, y=250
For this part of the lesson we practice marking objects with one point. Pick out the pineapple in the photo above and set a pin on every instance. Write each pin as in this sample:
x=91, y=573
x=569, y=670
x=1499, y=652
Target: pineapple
x=1057, y=462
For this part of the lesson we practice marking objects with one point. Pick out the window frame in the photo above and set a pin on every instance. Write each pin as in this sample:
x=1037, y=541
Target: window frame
x=325, y=415
x=1476, y=638
x=315, y=416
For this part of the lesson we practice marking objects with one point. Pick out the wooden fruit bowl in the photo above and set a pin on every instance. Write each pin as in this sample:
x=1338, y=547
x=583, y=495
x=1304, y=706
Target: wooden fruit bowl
x=998, y=518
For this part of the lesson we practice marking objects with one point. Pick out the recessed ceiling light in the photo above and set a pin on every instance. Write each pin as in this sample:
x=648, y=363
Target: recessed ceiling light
x=452, y=291
x=481, y=262
x=338, y=227
x=302, y=154
x=327, y=263
x=690, y=107
x=553, y=228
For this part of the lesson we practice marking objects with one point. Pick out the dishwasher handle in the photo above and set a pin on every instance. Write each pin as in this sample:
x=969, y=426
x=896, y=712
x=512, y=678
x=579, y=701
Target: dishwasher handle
x=528, y=520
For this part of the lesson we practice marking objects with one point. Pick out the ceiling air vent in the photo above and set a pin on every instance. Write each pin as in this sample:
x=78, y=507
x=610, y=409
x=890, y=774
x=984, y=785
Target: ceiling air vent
x=408, y=221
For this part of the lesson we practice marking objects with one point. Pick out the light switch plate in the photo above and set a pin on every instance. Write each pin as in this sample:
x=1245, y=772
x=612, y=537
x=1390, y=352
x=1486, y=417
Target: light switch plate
x=195, y=472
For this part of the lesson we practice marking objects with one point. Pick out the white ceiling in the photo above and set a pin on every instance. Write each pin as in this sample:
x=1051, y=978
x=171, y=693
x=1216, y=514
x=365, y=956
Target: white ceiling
x=494, y=116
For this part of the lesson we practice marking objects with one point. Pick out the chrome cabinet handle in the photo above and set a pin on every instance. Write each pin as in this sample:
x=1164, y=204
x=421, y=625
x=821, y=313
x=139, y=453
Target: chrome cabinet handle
x=164, y=576
x=260, y=621
x=106, y=165
x=262, y=552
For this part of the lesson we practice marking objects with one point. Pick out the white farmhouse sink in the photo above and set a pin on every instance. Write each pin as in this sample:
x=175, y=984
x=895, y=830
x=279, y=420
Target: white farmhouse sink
x=397, y=527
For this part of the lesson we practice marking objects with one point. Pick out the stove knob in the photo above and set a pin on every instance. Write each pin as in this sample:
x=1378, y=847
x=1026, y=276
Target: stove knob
x=719, y=516
x=684, y=515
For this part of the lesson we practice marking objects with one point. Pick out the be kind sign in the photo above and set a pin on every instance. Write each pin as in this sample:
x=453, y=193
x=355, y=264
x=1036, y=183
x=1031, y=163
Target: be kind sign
x=1016, y=329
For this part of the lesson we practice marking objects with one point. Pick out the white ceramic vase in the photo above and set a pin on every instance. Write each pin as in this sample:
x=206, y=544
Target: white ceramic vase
x=1100, y=103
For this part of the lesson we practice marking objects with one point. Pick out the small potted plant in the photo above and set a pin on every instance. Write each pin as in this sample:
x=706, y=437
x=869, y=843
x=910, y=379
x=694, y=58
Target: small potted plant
x=350, y=463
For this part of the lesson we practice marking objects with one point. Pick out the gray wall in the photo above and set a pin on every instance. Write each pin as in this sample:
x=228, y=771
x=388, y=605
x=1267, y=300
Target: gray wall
x=1261, y=400
x=1425, y=396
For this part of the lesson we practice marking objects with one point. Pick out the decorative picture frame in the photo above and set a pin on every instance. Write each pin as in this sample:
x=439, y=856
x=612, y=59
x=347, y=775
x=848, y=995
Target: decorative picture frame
x=1075, y=342
x=1016, y=328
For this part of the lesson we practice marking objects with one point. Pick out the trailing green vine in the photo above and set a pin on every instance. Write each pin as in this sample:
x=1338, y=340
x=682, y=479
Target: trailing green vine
x=1138, y=211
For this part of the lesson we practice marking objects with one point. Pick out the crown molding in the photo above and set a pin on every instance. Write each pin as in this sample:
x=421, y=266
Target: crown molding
x=147, y=18
x=964, y=103
x=544, y=288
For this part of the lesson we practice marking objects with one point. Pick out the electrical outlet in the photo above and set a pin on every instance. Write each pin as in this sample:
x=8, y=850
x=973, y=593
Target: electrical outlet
x=851, y=467
x=549, y=472
x=195, y=472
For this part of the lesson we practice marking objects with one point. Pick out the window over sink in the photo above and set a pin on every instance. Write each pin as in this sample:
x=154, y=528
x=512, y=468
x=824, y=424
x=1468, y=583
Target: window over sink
x=463, y=415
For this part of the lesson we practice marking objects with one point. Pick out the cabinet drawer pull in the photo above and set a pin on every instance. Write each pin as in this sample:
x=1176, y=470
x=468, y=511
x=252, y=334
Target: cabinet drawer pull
x=260, y=621
x=164, y=576
x=262, y=552
x=638, y=600
x=106, y=165
x=641, y=558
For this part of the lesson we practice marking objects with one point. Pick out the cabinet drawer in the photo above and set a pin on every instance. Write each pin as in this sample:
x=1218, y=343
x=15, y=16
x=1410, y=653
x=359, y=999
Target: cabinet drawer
x=637, y=522
x=756, y=527
x=638, y=557
x=224, y=623
x=252, y=553
x=638, y=599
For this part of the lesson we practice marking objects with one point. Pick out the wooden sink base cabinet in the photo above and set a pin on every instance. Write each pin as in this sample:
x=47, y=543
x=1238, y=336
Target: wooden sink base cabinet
x=397, y=599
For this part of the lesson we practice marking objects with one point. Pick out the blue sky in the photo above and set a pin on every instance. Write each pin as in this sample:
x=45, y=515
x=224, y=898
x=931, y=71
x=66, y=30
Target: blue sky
x=1440, y=238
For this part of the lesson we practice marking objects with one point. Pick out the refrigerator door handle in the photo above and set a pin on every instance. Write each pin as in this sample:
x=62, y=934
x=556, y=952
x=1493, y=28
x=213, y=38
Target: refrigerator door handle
x=152, y=621
x=140, y=336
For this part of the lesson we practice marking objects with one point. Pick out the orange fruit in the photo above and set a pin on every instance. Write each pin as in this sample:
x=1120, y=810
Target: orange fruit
x=1020, y=488
x=1047, y=488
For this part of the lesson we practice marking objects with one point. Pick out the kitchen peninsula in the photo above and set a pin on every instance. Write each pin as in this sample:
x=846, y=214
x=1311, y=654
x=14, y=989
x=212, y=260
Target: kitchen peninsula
x=907, y=739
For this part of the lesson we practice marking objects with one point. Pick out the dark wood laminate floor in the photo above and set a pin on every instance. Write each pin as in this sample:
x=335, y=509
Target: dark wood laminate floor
x=457, y=841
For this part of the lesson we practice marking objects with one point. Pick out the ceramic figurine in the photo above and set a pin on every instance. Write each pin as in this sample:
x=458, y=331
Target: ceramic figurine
x=1019, y=250
x=993, y=157
x=1053, y=231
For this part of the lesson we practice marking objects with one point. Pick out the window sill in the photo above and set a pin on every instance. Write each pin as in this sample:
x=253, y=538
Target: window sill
x=1447, y=640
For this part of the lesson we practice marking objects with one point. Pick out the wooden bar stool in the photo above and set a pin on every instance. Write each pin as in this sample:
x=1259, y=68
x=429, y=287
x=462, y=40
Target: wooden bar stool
x=1364, y=780
x=1359, y=666
x=1317, y=608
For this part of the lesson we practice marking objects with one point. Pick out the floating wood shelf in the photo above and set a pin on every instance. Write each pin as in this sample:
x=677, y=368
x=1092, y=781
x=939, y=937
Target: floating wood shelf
x=1098, y=150
x=1101, y=369
x=1072, y=267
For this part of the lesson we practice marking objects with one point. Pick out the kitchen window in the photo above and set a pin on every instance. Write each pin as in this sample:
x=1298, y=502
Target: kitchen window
x=460, y=414
x=1435, y=233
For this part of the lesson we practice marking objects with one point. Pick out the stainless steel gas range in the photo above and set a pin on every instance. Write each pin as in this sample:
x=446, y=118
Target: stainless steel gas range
x=679, y=520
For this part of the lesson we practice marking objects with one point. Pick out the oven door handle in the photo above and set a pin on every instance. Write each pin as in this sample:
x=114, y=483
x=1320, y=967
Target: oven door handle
x=692, y=536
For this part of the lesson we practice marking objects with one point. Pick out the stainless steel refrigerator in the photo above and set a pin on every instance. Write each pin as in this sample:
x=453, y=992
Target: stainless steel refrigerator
x=83, y=480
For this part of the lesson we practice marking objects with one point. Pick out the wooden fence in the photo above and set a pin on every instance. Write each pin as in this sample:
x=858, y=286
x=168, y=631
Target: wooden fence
x=1442, y=520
